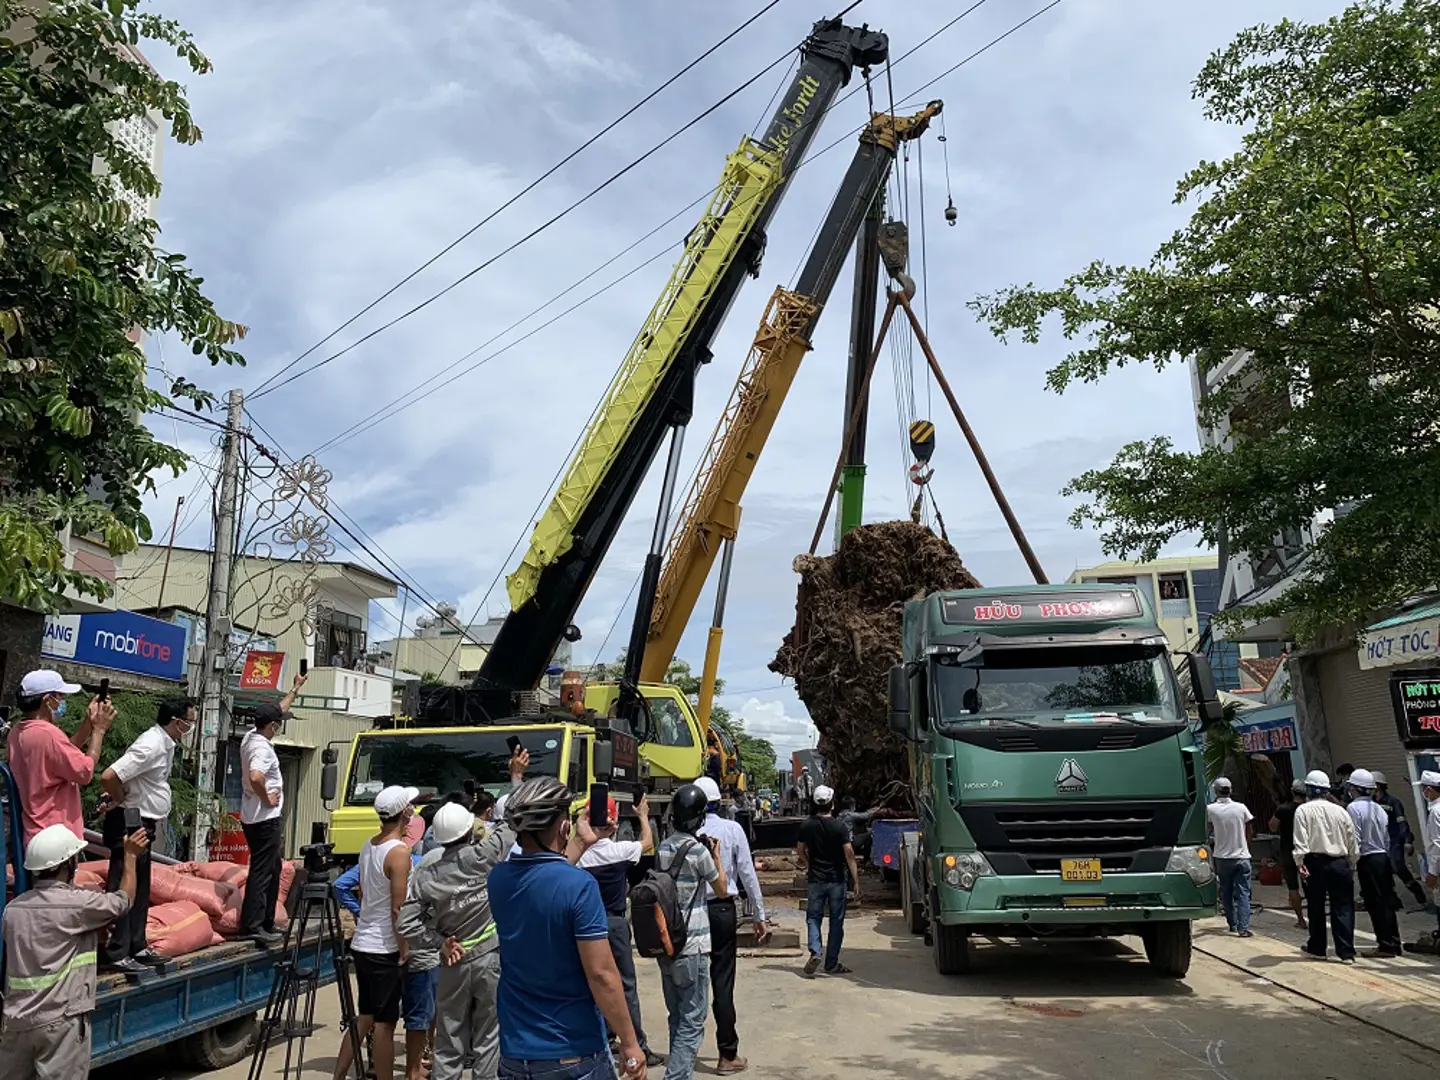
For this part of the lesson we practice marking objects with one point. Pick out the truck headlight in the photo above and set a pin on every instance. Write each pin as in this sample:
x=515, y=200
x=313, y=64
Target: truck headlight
x=962, y=871
x=1194, y=861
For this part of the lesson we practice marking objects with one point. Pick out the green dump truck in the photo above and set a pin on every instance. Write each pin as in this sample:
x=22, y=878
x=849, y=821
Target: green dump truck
x=1055, y=770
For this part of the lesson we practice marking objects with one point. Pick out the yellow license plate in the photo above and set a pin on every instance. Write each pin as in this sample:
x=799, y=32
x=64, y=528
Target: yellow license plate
x=1086, y=901
x=1080, y=870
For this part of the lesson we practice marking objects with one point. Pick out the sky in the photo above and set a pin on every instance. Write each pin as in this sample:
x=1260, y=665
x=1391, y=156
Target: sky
x=345, y=144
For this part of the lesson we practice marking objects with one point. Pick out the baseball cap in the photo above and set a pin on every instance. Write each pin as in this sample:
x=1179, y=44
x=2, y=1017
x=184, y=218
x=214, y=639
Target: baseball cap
x=269, y=713
x=1222, y=784
x=42, y=682
x=390, y=802
x=824, y=794
x=1429, y=778
x=712, y=790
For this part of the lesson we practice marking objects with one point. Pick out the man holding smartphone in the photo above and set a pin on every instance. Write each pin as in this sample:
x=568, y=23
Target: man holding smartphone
x=51, y=767
x=138, y=784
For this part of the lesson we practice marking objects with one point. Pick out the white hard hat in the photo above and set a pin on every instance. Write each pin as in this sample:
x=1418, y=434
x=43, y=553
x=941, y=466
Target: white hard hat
x=51, y=847
x=711, y=789
x=1363, y=778
x=497, y=812
x=1429, y=778
x=1316, y=778
x=1222, y=783
x=394, y=799
x=824, y=795
x=1378, y=777
x=453, y=822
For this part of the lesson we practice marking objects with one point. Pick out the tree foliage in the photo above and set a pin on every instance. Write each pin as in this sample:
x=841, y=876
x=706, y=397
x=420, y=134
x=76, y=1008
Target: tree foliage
x=1312, y=256
x=81, y=280
x=757, y=756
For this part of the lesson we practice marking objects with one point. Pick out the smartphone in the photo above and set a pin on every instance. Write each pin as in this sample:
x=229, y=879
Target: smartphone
x=304, y=665
x=513, y=742
x=599, y=805
x=104, y=694
x=132, y=820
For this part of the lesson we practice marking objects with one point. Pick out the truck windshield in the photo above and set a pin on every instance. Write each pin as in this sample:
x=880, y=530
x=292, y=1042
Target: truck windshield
x=1074, y=684
x=438, y=764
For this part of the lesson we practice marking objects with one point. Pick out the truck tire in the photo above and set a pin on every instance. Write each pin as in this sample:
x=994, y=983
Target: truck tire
x=1167, y=947
x=912, y=909
x=221, y=1046
x=951, y=949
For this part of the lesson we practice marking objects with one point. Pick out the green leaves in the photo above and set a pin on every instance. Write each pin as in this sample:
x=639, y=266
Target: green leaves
x=81, y=283
x=1305, y=287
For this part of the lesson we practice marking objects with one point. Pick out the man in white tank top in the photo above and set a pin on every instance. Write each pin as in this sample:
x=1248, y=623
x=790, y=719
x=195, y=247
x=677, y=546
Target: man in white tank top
x=379, y=952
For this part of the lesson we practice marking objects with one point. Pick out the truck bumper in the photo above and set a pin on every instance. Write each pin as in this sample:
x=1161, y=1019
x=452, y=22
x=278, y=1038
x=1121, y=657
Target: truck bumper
x=1045, y=900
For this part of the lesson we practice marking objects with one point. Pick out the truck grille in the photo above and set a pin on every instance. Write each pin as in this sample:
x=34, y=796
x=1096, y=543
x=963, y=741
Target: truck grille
x=1035, y=838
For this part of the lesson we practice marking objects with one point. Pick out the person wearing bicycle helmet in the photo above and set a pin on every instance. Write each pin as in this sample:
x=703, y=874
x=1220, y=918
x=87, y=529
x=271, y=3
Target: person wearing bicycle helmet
x=686, y=976
x=557, y=975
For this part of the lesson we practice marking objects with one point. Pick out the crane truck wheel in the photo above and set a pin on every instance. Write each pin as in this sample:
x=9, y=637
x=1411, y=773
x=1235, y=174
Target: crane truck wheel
x=951, y=949
x=912, y=908
x=1167, y=947
x=221, y=1046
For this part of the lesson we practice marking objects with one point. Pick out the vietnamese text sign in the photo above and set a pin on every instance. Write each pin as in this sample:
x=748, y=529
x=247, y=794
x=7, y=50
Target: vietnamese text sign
x=1407, y=643
x=120, y=640
x=1416, y=697
x=1269, y=737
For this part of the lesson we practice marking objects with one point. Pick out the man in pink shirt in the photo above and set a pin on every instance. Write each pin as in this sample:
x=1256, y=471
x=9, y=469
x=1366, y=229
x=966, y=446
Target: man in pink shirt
x=51, y=767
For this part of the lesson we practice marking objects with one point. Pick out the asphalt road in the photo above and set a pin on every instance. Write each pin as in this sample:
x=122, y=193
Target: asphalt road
x=1077, y=1011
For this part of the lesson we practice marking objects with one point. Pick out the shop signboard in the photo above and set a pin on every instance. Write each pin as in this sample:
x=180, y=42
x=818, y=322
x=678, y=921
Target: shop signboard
x=262, y=670
x=1269, y=736
x=1406, y=643
x=120, y=640
x=1416, y=697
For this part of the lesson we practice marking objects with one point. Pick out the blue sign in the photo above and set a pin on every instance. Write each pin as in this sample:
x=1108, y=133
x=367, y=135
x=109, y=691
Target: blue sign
x=117, y=639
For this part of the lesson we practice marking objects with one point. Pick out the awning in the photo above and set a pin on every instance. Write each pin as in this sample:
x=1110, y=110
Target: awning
x=1410, y=637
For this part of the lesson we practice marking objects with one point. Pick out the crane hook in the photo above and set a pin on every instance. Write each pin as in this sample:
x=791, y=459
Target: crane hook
x=951, y=214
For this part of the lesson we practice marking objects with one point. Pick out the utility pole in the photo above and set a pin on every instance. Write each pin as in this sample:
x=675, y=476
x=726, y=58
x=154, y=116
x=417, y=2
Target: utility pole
x=217, y=621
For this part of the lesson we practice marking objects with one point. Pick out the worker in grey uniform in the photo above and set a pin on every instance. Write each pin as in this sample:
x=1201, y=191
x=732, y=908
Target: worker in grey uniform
x=50, y=955
x=447, y=907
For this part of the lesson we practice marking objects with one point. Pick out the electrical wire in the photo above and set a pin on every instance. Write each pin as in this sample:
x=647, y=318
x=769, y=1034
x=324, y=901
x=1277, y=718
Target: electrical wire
x=516, y=197
x=983, y=49
x=542, y=227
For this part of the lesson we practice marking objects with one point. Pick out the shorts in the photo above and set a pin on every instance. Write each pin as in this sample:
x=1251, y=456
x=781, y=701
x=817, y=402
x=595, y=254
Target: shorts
x=378, y=977
x=1291, y=872
x=417, y=998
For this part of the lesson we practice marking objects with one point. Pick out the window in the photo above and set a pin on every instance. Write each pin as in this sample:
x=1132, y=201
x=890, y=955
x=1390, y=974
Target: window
x=1174, y=596
x=578, y=752
x=439, y=764
x=670, y=726
x=1207, y=591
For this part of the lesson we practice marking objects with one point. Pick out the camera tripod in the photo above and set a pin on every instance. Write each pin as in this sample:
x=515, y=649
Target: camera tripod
x=290, y=1010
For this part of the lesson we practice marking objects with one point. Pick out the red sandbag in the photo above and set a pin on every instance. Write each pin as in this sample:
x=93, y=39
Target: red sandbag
x=99, y=867
x=229, y=873
x=168, y=887
x=176, y=929
x=228, y=922
x=287, y=879
x=89, y=882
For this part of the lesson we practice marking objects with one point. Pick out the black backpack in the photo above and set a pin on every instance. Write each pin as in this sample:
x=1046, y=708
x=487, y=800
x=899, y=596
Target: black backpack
x=659, y=922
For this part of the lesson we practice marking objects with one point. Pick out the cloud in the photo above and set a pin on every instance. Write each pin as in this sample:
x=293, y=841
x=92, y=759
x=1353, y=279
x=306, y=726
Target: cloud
x=769, y=720
x=347, y=143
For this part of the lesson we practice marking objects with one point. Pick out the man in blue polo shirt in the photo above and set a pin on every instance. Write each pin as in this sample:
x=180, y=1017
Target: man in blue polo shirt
x=557, y=975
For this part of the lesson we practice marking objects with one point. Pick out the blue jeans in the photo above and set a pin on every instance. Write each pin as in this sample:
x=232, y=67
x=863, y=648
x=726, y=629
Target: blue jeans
x=1235, y=891
x=686, y=982
x=595, y=1067
x=417, y=998
x=820, y=898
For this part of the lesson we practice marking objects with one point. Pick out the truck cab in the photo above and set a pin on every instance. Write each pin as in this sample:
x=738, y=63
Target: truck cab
x=1055, y=771
x=439, y=760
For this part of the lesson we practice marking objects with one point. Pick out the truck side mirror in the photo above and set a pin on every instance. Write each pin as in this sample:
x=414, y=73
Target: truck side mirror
x=329, y=774
x=604, y=760
x=1202, y=684
x=899, y=700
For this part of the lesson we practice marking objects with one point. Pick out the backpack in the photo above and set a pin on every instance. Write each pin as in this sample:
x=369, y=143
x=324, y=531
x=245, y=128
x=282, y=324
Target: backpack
x=659, y=923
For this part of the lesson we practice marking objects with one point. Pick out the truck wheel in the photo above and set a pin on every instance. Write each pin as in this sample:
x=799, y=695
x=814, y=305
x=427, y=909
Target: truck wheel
x=1167, y=947
x=912, y=909
x=221, y=1046
x=951, y=949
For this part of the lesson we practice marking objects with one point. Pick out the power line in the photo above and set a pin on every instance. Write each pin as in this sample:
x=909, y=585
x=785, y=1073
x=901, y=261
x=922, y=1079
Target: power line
x=597, y=189
x=515, y=198
x=983, y=49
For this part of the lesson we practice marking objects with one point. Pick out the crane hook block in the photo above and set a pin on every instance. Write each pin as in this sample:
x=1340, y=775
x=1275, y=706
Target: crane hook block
x=922, y=440
x=951, y=214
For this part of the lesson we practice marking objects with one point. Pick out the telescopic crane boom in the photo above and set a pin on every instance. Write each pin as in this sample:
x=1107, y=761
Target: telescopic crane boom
x=711, y=515
x=653, y=389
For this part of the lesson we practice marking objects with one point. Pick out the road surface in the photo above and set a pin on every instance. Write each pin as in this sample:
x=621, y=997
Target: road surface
x=1030, y=1011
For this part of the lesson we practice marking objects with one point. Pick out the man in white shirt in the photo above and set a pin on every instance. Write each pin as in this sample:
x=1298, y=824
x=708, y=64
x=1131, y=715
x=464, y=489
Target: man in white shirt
x=1429, y=785
x=1376, y=874
x=735, y=860
x=1325, y=849
x=262, y=808
x=1231, y=829
x=139, y=781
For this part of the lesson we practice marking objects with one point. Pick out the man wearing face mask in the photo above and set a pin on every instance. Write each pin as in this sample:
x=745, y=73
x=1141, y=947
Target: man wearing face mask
x=140, y=780
x=51, y=767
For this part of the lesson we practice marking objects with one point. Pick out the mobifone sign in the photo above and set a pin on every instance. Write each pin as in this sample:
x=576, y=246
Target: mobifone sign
x=120, y=640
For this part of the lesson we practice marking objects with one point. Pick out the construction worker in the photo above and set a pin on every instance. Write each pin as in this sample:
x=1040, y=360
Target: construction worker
x=448, y=908
x=1377, y=882
x=49, y=935
x=1402, y=840
x=1326, y=850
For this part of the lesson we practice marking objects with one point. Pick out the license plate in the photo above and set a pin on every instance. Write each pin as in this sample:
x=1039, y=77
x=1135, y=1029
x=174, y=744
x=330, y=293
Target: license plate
x=1086, y=901
x=1080, y=870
